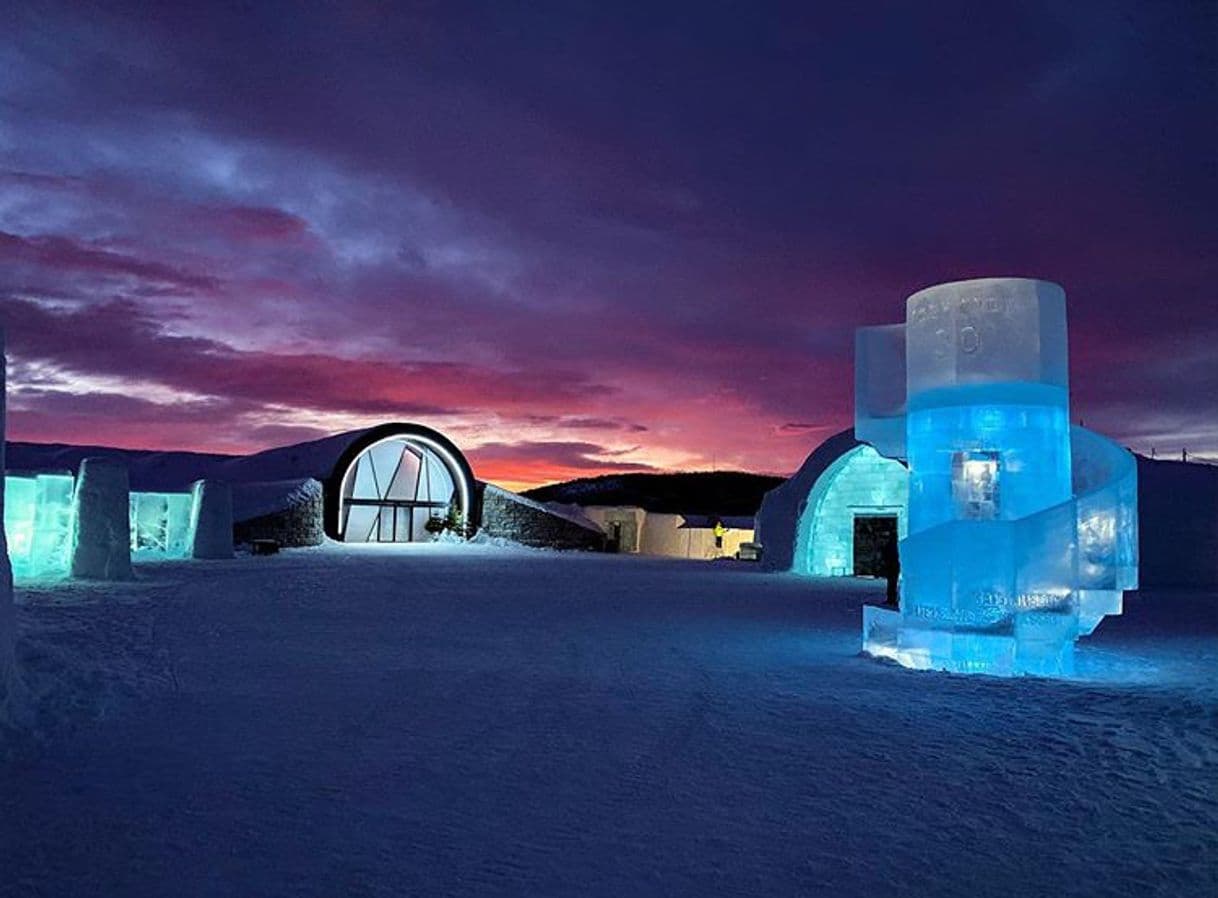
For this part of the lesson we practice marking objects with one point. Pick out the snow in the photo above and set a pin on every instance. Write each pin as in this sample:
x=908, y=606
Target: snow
x=153, y=471
x=455, y=719
x=256, y=500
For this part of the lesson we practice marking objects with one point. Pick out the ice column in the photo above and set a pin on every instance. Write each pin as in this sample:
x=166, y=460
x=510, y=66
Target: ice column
x=211, y=520
x=7, y=616
x=101, y=529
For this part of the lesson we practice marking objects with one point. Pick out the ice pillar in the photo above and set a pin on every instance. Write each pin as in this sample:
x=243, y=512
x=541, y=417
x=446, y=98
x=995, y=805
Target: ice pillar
x=7, y=612
x=101, y=528
x=211, y=520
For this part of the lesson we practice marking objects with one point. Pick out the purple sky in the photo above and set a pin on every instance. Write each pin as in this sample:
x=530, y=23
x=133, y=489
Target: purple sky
x=582, y=238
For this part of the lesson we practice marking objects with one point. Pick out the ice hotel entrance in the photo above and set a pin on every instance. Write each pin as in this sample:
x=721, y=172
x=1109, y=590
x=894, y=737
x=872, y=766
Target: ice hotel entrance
x=401, y=485
x=834, y=517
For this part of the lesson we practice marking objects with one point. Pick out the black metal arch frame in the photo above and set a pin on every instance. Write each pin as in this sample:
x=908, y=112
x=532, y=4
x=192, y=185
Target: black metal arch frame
x=452, y=458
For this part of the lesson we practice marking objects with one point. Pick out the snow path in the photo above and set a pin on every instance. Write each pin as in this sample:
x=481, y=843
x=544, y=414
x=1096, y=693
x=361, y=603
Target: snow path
x=463, y=720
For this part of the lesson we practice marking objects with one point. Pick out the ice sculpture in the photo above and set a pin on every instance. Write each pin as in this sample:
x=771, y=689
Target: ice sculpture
x=1022, y=531
x=101, y=523
x=211, y=520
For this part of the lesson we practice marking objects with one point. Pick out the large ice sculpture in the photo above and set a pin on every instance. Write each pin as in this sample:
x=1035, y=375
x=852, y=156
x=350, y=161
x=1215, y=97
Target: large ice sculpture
x=101, y=522
x=1022, y=531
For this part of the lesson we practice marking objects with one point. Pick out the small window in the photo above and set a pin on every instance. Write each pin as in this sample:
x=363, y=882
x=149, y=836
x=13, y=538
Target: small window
x=975, y=485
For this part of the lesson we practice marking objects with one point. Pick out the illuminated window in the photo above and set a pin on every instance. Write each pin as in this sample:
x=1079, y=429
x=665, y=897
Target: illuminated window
x=975, y=485
x=397, y=490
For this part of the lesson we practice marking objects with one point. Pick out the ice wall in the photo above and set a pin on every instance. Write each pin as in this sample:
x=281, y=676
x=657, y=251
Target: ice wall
x=1022, y=533
x=211, y=520
x=101, y=527
x=38, y=524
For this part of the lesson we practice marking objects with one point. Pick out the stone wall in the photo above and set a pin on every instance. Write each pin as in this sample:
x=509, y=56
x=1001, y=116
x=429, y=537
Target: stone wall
x=299, y=523
x=509, y=516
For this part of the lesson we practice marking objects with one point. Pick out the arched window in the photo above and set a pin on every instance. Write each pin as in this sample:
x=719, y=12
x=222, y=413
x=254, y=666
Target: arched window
x=399, y=489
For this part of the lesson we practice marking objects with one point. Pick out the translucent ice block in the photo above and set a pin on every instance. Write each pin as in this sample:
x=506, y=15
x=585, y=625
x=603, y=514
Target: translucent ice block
x=52, y=536
x=879, y=388
x=37, y=524
x=19, y=521
x=992, y=330
x=160, y=524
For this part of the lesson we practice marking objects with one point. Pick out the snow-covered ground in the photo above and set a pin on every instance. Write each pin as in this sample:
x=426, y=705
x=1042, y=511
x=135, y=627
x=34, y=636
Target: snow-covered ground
x=475, y=720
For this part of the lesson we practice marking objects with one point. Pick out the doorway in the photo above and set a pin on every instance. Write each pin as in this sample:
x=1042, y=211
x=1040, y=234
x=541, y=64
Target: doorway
x=872, y=533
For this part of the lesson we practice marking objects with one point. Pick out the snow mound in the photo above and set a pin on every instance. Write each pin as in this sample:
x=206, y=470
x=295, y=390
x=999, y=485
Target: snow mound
x=262, y=498
x=481, y=538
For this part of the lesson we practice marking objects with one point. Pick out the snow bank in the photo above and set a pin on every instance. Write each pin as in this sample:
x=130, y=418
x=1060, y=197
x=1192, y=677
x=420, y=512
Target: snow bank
x=101, y=526
x=211, y=520
x=257, y=500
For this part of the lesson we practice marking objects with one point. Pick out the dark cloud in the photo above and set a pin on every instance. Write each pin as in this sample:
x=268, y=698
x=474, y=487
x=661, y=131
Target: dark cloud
x=635, y=223
x=119, y=340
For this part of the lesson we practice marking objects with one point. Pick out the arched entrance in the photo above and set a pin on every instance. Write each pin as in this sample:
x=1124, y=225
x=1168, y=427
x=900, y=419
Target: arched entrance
x=856, y=504
x=399, y=483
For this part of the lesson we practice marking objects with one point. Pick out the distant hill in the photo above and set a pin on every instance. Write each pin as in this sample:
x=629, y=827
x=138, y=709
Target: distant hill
x=727, y=493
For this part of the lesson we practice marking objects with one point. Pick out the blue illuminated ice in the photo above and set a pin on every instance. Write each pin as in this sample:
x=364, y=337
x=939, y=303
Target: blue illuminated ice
x=160, y=524
x=1022, y=530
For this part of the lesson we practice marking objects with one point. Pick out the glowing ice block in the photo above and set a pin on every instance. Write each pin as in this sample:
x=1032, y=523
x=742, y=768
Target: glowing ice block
x=38, y=524
x=160, y=524
x=1022, y=531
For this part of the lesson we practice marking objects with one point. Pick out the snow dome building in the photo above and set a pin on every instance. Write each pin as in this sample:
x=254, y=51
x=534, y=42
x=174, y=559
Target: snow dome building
x=833, y=517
